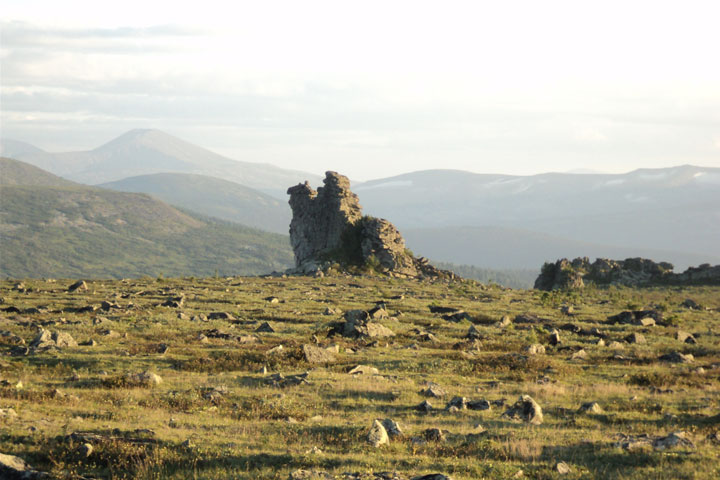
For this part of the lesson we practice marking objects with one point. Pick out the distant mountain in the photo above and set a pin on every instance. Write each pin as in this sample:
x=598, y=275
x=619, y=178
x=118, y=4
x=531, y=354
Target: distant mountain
x=13, y=172
x=504, y=248
x=214, y=197
x=79, y=231
x=673, y=209
x=143, y=152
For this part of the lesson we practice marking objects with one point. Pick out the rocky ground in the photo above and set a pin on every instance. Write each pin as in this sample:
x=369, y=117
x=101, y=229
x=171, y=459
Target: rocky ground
x=356, y=378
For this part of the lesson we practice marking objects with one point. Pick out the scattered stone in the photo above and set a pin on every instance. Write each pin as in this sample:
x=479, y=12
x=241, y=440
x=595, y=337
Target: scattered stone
x=473, y=333
x=647, y=322
x=377, y=313
x=615, y=345
x=174, y=302
x=332, y=311
x=315, y=355
x=107, y=306
x=46, y=340
x=458, y=316
x=675, y=439
x=677, y=357
x=685, y=337
x=8, y=413
x=579, y=355
x=691, y=304
x=364, y=370
x=481, y=404
x=377, y=435
x=183, y=316
x=392, y=428
x=525, y=409
x=433, y=435
x=441, y=309
x=85, y=450
x=309, y=475
x=79, y=285
x=535, y=349
x=433, y=391
x=272, y=299
x=460, y=403
x=265, y=327
x=220, y=316
x=144, y=379
x=432, y=476
x=357, y=326
x=555, y=338
x=505, y=321
x=279, y=380
x=424, y=407
x=562, y=468
x=107, y=333
x=590, y=407
x=635, y=337
x=12, y=467
x=567, y=309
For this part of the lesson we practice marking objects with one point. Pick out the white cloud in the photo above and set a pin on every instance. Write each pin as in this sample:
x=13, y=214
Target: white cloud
x=374, y=87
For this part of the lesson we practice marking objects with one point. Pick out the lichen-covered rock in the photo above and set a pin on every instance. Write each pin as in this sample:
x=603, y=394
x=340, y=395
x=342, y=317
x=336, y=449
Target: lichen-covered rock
x=525, y=409
x=377, y=435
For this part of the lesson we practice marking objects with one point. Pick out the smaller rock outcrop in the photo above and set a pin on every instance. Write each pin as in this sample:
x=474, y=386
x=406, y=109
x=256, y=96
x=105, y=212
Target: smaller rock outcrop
x=631, y=272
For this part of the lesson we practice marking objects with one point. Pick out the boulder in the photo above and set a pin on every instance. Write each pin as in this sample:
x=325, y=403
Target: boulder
x=316, y=355
x=15, y=468
x=535, y=349
x=677, y=357
x=377, y=435
x=80, y=285
x=635, y=337
x=525, y=409
x=392, y=428
x=685, y=337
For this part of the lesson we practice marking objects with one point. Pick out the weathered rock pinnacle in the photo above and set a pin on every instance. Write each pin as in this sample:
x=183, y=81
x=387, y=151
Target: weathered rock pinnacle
x=320, y=218
x=328, y=227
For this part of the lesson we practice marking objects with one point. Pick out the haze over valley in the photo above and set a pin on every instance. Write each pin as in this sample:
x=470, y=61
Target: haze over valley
x=498, y=222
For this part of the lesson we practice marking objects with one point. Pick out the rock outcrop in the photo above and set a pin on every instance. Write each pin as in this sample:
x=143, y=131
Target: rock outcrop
x=632, y=272
x=328, y=228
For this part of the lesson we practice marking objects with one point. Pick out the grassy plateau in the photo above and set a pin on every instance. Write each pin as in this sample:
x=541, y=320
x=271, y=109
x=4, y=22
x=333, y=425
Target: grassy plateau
x=220, y=413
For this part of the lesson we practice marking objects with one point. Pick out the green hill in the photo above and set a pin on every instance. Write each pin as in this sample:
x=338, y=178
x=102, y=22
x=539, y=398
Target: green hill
x=13, y=172
x=73, y=231
x=212, y=196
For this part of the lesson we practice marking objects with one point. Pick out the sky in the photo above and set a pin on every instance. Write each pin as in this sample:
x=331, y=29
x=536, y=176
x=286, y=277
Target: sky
x=373, y=88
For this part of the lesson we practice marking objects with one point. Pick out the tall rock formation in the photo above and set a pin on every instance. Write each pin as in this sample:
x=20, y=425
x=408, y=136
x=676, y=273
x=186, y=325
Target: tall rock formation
x=320, y=218
x=328, y=227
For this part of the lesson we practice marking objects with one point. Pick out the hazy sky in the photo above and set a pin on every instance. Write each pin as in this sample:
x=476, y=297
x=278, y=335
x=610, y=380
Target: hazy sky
x=371, y=88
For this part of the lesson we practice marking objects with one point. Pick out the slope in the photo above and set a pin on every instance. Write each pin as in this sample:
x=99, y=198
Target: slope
x=14, y=172
x=72, y=231
x=212, y=196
